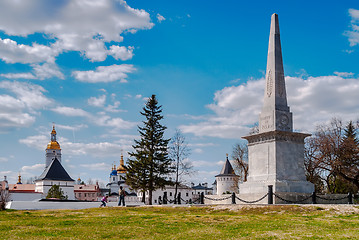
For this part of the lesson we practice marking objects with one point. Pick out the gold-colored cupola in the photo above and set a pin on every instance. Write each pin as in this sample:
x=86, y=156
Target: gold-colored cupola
x=121, y=168
x=53, y=144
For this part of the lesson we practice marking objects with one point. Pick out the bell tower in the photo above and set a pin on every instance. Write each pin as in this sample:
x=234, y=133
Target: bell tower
x=53, y=148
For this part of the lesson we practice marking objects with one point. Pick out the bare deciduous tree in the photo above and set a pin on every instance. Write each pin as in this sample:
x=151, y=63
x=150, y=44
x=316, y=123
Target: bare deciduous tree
x=240, y=157
x=178, y=152
x=4, y=194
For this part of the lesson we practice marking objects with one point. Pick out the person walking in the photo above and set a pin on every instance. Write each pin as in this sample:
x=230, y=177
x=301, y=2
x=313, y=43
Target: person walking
x=104, y=201
x=122, y=195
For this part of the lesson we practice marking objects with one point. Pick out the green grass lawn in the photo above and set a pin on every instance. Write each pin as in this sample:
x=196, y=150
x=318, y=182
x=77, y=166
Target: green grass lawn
x=269, y=222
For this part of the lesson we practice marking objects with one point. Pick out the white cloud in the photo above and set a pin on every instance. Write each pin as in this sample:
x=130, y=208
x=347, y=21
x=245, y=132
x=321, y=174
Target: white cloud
x=202, y=163
x=40, y=71
x=105, y=74
x=101, y=119
x=3, y=159
x=160, y=18
x=71, y=112
x=201, y=144
x=18, y=75
x=71, y=128
x=198, y=150
x=98, y=150
x=313, y=101
x=96, y=166
x=82, y=25
x=34, y=168
x=38, y=142
x=121, y=52
x=101, y=100
x=344, y=74
x=20, y=111
x=30, y=94
x=12, y=52
x=114, y=108
x=46, y=70
x=117, y=123
x=97, y=101
x=353, y=34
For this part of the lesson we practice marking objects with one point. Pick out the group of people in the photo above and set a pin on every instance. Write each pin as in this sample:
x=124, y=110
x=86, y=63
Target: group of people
x=121, y=193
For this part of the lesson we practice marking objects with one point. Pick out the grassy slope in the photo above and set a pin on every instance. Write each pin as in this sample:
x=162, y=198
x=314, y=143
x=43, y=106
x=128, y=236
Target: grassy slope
x=273, y=222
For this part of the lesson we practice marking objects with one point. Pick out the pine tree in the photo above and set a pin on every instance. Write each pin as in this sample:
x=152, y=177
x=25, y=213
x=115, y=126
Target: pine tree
x=55, y=192
x=348, y=156
x=149, y=166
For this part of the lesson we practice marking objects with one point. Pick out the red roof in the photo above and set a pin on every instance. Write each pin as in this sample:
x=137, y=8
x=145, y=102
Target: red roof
x=21, y=188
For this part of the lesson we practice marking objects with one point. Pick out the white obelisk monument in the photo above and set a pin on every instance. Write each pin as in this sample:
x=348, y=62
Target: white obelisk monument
x=276, y=153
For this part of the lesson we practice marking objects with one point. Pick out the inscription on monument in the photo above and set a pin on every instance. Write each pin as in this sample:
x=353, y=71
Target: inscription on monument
x=266, y=122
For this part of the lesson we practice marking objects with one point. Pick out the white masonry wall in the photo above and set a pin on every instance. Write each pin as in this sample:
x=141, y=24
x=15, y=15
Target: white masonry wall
x=66, y=186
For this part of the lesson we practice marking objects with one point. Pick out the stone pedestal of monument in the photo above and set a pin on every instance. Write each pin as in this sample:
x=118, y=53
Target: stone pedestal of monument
x=276, y=158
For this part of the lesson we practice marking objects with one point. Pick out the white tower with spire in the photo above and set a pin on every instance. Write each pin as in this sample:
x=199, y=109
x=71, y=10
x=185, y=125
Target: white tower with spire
x=276, y=153
x=53, y=148
x=227, y=180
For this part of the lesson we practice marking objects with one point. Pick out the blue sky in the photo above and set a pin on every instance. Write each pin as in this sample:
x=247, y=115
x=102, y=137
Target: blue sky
x=89, y=66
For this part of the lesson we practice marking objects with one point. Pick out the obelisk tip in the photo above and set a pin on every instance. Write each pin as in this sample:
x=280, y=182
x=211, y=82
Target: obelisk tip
x=274, y=24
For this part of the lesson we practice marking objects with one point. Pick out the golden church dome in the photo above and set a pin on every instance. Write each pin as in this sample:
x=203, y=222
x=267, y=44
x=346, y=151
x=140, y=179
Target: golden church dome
x=53, y=145
x=121, y=168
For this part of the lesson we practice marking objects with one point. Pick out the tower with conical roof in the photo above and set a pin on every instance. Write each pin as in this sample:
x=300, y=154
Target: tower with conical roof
x=227, y=180
x=276, y=153
x=53, y=149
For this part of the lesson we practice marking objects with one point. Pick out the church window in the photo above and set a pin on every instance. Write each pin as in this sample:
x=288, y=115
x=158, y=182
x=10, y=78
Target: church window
x=79, y=194
x=170, y=194
x=186, y=194
x=155, y=201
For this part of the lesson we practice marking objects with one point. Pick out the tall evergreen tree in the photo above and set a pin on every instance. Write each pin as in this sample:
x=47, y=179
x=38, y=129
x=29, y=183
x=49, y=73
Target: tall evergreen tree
x=348, y=167
x=149, y=166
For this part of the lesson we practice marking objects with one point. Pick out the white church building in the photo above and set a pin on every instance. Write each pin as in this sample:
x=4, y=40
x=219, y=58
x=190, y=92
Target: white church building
x=54, y=173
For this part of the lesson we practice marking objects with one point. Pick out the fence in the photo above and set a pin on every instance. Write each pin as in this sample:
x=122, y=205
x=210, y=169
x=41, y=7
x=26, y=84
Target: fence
x=287, y=198
x=272, y=198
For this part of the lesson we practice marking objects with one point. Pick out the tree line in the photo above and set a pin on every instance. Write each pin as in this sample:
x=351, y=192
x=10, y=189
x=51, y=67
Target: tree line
x=332, y=157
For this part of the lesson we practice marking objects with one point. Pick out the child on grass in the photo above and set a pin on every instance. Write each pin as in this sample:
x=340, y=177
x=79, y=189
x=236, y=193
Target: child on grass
x=104, y=201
